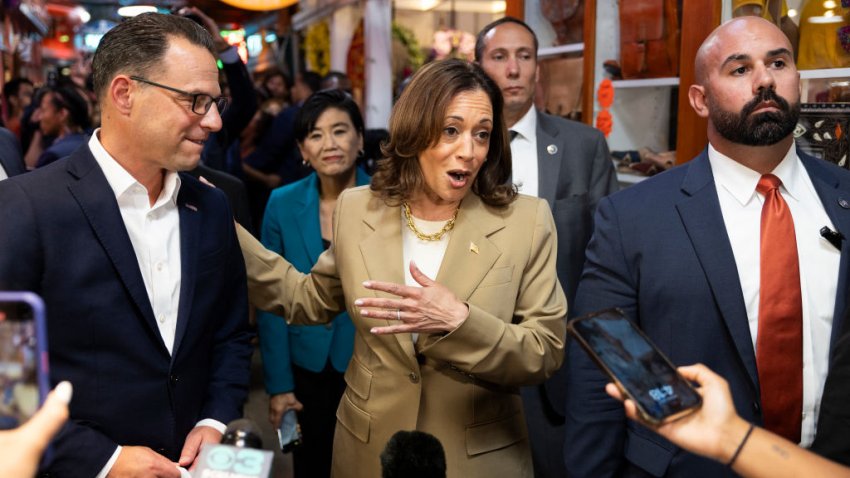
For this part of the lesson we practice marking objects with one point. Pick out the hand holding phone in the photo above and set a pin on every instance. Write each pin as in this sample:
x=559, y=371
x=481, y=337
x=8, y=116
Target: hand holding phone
x=23, y=357
x=636, y=366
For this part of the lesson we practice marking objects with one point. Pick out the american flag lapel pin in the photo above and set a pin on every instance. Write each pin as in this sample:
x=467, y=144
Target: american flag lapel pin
x=473, y=247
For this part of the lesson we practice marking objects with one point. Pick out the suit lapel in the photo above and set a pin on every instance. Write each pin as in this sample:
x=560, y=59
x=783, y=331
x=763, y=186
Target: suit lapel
x=549, y=159
x=836, y=203
x=190, y=237
x=470, y=253
x=96, y=199
x=383, y=258
x=700, y=214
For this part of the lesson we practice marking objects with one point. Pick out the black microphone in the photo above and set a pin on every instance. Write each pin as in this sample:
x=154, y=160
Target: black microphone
x=242, y=433
x=834, y=237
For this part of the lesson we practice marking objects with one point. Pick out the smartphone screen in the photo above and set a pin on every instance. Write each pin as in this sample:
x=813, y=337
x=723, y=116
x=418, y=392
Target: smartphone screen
x=636, y=365
x=23, y=360
x=289, y=432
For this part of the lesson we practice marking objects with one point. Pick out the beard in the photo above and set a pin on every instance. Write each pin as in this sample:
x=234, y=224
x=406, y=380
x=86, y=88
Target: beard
x=762, y=129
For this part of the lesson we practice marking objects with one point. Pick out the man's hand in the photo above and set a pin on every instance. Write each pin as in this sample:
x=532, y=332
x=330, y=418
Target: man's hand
x=279, y=404
x=198, y=437
x=141, y=461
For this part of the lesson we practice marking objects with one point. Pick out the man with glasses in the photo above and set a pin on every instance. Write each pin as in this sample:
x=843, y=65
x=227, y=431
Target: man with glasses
x=137, y=262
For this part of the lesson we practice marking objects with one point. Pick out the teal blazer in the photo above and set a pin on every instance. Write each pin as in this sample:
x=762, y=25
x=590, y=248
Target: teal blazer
x=291, y=228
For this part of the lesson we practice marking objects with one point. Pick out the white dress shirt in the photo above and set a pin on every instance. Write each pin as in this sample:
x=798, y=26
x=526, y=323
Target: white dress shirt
x=524, y=153
x=741, y=207
x=155, y=234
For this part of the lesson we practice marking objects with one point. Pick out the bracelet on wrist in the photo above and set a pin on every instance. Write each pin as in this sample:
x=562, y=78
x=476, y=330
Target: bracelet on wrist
x=741, y=446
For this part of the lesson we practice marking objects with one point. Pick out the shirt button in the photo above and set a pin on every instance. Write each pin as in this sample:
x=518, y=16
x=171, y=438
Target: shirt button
x=161, y=318
x=159, y=266
x=413, y=377
x=804, y=415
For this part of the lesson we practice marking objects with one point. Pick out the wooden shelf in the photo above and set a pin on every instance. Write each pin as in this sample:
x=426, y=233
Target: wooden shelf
x=628, y=178
x=551, y=51
x=840, y=73
x=646, y=83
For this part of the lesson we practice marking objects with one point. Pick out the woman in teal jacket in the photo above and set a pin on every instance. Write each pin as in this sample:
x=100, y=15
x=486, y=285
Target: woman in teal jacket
x=304, y=365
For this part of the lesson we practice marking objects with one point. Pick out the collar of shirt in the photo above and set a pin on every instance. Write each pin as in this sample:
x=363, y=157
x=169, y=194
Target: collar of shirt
x=121, y=181
x=741, y=181
x=526, y=127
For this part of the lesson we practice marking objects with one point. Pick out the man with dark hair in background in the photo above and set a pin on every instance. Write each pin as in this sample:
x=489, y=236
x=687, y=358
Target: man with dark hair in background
x=568, y=164
x=17, y=94
x=277, y=161
x=137, y=262
x=63, y=115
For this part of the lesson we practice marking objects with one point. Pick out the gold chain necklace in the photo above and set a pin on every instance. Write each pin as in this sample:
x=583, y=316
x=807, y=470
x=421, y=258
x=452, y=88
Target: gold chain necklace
x=428, y=237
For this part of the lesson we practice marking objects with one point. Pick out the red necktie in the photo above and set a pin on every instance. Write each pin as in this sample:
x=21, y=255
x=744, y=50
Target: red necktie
x=779, y=346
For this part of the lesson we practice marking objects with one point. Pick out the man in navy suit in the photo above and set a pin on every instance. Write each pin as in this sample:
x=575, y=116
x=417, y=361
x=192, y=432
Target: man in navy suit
x=680, y=254
x=138, y=264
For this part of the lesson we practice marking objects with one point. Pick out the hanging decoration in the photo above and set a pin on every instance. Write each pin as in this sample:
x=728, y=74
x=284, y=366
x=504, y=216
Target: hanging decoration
x=406, y=37
x=605, y=98
x=317, y=48
x=355, y=64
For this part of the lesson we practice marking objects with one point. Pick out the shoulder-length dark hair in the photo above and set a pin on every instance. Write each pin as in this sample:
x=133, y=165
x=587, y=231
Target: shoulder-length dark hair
x=417, y=123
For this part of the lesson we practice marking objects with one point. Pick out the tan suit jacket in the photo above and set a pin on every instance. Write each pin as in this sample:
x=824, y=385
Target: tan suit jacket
x=462, y=386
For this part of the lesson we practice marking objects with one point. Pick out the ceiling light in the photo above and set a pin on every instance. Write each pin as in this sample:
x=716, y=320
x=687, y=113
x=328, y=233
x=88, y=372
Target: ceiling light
x=133, y=10
x=792, y=13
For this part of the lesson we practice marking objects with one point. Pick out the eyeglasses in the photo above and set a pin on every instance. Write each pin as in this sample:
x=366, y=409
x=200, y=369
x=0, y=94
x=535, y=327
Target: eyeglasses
x=201, y=102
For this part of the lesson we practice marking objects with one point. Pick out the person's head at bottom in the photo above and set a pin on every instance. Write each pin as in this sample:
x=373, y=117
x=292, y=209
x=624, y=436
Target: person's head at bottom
x=413, y=454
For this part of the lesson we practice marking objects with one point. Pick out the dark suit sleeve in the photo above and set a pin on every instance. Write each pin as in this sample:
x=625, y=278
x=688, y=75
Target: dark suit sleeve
x=595, y=423
x=833, y=434
x=77, y=449
x=227, y=387
x=243, y=101
x=603, y=176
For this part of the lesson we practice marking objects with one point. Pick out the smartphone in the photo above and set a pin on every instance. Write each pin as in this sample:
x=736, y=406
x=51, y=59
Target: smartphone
x=289, y=432
x=23, y=357
x=636, y=366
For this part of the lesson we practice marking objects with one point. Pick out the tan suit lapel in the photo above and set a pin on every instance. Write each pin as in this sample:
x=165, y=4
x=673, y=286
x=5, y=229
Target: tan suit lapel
x=470, y=253
x=383, y=259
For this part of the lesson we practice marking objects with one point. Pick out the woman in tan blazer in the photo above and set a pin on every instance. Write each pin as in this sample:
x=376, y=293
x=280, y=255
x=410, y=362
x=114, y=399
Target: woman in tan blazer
x=445, y=356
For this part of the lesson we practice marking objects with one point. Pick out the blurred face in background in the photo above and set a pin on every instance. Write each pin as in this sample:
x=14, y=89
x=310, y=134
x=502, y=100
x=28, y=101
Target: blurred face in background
x=276, y=86
x=50, y=118
x=332, y=145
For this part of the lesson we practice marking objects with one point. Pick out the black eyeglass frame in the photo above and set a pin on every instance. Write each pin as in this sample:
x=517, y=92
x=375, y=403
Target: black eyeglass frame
x=220, y=101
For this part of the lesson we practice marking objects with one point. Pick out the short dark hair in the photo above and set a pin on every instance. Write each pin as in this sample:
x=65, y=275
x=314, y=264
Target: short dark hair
x=417, y=123
x=312, y=79
x=413, y=454
x=317, y=104
x=13, y=86
x=137, y=45
x=270, y=73
x=340, y=78
x=481, y=42
x=67, y=97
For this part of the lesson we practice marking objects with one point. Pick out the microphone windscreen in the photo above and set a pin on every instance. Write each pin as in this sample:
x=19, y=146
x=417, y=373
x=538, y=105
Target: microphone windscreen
x=242, y=433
